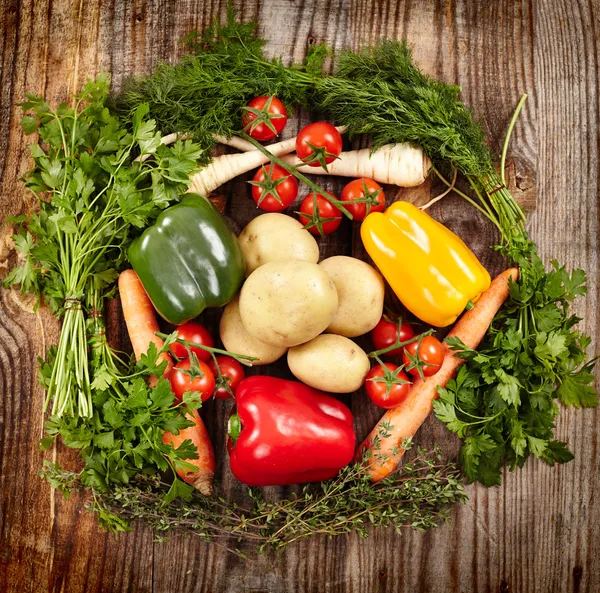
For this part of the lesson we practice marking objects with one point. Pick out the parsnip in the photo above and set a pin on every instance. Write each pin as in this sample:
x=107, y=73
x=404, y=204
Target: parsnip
x=226, y=167
x=397, y=164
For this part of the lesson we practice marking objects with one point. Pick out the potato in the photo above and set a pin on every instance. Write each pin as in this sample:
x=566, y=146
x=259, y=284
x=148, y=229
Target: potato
x=285, y=303
x=236, y=339
x=360, y=291
x=330, y=363
x=276, y=237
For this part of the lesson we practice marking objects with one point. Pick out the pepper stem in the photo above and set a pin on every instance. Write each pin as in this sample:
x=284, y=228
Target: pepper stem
x=469, y=305
x=234, y=427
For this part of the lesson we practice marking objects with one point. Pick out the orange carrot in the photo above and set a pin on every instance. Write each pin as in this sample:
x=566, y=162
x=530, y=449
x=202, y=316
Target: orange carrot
x=404, y=420
x=140, y=318
x=203, y=477
x=142, y=327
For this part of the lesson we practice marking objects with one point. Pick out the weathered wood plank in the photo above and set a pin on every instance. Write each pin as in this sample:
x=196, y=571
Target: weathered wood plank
x=535, y=533
x=566, y=228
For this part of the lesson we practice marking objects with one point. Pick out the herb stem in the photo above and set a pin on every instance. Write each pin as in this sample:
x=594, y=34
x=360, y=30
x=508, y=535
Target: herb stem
x=511, y=125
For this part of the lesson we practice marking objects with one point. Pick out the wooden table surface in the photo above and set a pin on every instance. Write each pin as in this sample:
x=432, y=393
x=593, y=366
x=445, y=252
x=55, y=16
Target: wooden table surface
x=537, y=532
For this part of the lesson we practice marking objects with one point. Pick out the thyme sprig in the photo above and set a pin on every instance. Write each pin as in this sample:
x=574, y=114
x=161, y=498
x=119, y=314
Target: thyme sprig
x=418, y=497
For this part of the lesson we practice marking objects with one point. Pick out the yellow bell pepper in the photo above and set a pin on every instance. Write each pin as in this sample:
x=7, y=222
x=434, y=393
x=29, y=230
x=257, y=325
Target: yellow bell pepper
x=430, y=269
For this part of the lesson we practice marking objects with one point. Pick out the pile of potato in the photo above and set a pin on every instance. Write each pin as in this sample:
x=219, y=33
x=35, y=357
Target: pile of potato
x=290, y=303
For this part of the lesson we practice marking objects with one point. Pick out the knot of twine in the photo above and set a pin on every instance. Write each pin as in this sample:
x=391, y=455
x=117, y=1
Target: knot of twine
x=72, y=303
x=497, y=189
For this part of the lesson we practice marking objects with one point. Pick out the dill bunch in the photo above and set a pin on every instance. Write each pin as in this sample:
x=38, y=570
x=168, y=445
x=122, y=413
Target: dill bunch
x=203, y=94
x=380, y=92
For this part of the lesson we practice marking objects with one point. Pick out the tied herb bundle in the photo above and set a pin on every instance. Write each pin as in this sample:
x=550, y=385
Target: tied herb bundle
x=92, y=195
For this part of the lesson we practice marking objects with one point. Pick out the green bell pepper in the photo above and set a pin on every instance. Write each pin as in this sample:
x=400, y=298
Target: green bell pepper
x=188, y=260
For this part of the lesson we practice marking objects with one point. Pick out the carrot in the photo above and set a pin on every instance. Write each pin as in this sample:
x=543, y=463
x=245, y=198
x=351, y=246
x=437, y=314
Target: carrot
x=140, y=318
x=202, y=478
x=142, y=326
x=404, y=420
x=399, y=164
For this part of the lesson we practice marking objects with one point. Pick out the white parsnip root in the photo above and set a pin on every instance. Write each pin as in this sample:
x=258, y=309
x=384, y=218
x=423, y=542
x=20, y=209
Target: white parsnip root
x=228, y=166
x=398, y=164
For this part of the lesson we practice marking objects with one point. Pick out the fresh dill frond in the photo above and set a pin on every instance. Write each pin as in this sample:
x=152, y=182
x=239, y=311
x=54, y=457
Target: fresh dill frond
x=380, y=92
x=204, y=93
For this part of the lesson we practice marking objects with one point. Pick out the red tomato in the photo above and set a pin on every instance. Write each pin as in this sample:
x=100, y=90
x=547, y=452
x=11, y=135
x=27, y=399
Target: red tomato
x=430, y=352
x=387, y=395
x=385, y=334
x=181, y=382
x=261, y=115
x=233, y=372
x=359, y=189
x=193, y=332
x=318, y=143
x=273, y=188
x=323, y=220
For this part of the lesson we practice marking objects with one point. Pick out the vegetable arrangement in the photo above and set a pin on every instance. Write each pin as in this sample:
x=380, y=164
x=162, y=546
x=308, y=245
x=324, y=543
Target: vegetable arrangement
x=110, y=190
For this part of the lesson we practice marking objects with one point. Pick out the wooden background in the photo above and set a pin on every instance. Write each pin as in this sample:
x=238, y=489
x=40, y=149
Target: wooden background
x=535, y=533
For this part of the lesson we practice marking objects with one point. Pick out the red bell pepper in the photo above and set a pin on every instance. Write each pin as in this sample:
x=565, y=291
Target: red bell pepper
x=284, y=432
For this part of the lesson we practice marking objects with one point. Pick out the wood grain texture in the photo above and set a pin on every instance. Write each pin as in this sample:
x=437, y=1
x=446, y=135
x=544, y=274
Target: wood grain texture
x=536, y=533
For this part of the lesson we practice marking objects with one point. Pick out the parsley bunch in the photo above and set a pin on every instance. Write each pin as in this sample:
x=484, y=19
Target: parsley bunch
x=124, y=436
x=503, y=402
x=93, y=194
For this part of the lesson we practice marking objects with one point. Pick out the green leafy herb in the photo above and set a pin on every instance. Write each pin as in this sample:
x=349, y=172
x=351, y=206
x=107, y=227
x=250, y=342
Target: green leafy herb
x=206, y=92
x=503, y=401
x=123, y=437
x=93, y=194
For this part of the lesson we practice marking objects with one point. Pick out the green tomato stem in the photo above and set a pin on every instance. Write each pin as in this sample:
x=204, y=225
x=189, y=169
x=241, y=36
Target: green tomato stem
x=294, y=171
x=241, y=358
x=398, y=344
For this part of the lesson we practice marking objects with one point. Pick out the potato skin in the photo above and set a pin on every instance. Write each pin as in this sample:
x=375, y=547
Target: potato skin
x=275, y=237
x=361, y=293
x=236, y=339
x=330, y=363
x=285, y=303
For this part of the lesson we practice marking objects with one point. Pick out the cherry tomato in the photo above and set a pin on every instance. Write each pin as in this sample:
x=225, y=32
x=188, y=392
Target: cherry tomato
x=319, y=143
x=232, y=370
x=273, y=188
x=262, y=110
x=181, y=382
x=387, y=395
x=430, y=352
x=192, y=332
x=359, y=189
x=322, y=221
x=385, y=334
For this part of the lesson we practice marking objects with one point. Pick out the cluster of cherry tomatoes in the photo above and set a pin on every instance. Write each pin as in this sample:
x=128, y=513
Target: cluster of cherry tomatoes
x=199, y=374
x=423, y=357
x=386, y=384
x=274, y=189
